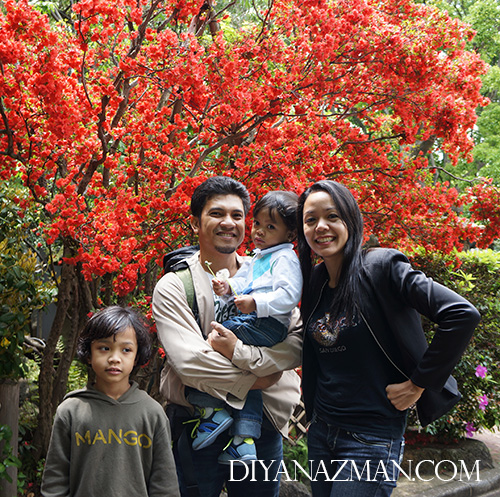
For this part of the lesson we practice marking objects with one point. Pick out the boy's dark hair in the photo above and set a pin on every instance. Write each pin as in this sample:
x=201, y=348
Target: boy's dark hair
x=110, y=321
x=284, y=203
x=218, y=185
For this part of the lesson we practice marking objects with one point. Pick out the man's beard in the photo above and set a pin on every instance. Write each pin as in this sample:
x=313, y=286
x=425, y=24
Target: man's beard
x=225, y=250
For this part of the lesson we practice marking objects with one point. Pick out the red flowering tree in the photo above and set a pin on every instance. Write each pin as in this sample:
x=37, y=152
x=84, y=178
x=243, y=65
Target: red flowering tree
x=113, y=123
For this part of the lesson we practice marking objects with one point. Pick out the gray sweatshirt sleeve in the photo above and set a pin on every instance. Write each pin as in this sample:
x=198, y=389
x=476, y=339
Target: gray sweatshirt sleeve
x=163, y=477
x=55, y=480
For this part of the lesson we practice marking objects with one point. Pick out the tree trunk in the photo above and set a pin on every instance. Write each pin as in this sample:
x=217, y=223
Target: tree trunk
x=74, y=302
x=48, y=372
x=9, y=415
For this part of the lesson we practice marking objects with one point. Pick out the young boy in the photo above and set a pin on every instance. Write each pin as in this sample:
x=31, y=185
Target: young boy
x=111, y=438
x=265, y=291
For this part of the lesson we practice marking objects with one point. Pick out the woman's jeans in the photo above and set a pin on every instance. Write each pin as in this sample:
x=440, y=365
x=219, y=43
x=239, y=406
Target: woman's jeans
x=347, y=464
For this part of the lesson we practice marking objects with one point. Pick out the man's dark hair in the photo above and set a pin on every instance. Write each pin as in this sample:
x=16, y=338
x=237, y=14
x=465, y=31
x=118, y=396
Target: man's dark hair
x=283, y=203
x=218, y=185
x=110, y=321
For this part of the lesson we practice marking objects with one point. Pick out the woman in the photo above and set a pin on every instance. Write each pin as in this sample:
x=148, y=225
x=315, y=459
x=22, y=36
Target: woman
x=365, y=356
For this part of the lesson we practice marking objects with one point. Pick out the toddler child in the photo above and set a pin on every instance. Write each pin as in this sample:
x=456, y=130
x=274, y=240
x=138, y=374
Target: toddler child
x=266, y=289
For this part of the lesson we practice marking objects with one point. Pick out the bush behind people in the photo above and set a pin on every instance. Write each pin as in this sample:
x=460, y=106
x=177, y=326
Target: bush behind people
x=477, y=373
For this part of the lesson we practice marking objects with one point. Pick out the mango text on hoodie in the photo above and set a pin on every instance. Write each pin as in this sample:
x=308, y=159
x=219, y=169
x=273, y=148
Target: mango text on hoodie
x=129, y=437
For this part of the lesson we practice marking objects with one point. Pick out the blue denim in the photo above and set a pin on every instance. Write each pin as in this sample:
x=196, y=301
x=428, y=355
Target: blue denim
x=251, y=330
x=357, y=465
x=264, y=332
x=202, y=399
x=247, y=421
x=212, y=475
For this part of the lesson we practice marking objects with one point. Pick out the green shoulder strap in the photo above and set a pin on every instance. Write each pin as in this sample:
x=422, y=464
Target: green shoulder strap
x=187, y=281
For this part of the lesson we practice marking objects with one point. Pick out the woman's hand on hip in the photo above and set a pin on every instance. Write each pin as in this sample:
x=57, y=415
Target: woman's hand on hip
x=403, y=395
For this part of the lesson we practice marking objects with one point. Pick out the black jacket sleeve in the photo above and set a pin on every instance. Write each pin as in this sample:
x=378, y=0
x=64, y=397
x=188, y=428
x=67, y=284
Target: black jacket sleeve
x=401, y=290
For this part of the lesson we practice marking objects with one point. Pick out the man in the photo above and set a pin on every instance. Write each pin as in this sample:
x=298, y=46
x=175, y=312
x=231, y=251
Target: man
x=215, y=361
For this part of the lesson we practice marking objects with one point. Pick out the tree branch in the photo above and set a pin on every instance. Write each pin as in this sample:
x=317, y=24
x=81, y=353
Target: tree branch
x=465, y=180
x=95, y=163
x=225, y=141
x=10, y=135
x=370, y=140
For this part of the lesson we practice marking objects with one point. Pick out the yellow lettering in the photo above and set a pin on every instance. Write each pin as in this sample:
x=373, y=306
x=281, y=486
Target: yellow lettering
x=132, y=440
x=79, y=438
x=99, y=436
x=111, y=433
x=148, y=441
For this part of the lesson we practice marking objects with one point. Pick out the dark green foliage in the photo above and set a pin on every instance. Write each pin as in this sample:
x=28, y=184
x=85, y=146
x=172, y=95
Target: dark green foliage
x=476, y=279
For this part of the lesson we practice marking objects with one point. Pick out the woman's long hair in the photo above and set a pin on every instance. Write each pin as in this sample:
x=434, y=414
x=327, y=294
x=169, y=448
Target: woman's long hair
x=344, y=300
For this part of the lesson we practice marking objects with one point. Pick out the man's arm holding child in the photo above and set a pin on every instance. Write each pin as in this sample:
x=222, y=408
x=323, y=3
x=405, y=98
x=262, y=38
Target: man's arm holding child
x=192, y=358
x=261, y=361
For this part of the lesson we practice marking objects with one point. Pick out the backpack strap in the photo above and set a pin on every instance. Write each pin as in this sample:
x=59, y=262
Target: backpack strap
x=187, y=281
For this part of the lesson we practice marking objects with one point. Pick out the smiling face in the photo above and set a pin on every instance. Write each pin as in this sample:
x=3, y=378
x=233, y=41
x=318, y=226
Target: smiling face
x=325, y=232
x=269, y=231
x=221, y=226
x=113, y=359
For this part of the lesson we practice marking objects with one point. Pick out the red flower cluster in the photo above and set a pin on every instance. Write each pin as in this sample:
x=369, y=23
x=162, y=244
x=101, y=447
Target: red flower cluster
x=113, y=124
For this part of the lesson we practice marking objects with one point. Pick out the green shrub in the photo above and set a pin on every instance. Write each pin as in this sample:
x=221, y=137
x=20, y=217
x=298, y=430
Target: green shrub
x=23, y=286
x=31, y=468
x=476, y=279
x=7, y=458
x=295, y=453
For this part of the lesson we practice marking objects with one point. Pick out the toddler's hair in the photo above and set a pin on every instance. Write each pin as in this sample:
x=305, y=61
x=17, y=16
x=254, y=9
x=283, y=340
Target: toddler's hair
x=110, y=321
x=284, y=203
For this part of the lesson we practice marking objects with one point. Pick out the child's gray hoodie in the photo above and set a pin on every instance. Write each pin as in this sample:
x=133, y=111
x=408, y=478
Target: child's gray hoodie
x=106, y=447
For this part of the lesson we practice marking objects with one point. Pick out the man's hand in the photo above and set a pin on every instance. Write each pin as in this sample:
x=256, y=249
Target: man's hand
x=403, y=395
x=222, y=340
x=245, y=304
x=266, y=381
x=220, y=287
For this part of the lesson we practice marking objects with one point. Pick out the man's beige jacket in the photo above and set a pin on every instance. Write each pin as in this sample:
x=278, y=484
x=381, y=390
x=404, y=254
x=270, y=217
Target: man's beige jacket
x=191, y=361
